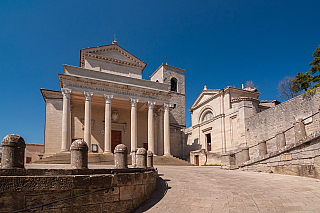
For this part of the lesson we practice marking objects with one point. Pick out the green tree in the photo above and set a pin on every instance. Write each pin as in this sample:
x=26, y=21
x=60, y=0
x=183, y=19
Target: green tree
x=307, y=81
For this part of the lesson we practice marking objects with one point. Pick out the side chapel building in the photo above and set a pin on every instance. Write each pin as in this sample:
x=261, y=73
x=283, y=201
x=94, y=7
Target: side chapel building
x=106, y=102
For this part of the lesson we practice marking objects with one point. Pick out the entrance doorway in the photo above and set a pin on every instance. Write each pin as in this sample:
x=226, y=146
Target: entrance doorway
x=208, y=137
x=196, y=160
x=115, y=139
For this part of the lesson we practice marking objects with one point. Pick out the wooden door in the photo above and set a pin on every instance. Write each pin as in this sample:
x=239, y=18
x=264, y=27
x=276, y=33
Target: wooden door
x=115, y=139
x=197, y=160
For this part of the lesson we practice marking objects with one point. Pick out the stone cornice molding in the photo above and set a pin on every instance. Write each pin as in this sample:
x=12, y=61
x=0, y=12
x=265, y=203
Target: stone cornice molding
x=66, y=93
x=88, y=95
x=244, y=99
x=47, y=94
x=151, y=104
x=99, y=85
x=133, y=102
x=107, y=98
x=112, y=47
x=114, y=61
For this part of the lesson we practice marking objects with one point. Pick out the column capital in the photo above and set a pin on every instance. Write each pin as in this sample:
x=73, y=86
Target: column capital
x=151, y=104
x=133, y=102
x=108, y=98
x=88, y=95
x=166, y=106
x=66, y=92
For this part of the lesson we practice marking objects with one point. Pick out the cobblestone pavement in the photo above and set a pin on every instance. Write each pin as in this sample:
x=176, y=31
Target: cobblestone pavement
x=183, y=189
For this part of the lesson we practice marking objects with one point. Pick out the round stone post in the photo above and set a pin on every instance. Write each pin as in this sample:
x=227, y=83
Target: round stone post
x=141, y=158
x=120, y=157
x=262, y=146
x=149, y=159
x=299, y=130
x=79, y=154
x=13, y=152
x=245, y=154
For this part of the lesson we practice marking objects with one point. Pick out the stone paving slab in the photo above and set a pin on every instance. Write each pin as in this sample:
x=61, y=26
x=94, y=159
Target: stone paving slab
x=210, y=189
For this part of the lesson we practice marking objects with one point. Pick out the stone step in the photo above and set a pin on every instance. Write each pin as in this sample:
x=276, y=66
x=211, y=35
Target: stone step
x=107, y=159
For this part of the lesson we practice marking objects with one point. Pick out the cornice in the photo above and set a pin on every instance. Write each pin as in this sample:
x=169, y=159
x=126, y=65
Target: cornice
x=163, y=65
x=50, y=93
x=115, y=86
x=111, y=47
x=114, y=61
x=244, y=99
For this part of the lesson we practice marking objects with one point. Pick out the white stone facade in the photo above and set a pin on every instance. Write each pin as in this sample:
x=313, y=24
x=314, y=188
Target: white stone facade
x=218, y=122
x=105, y=101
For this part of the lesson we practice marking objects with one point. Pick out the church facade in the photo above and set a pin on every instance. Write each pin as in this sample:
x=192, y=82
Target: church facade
x=106, y=102
x=218, y=122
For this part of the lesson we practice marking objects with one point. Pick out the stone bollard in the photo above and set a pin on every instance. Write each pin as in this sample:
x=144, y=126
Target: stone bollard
x=79, y=154
x=13, y=152
x=299, y=130
x=133, y=158
x=149, y=159
x=141, y=158
x=120, y=157
x=262, y=146
x=245, y=154
x=280, y=140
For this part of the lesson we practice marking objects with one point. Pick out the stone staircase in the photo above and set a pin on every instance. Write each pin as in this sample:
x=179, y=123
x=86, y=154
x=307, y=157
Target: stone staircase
x=107, y=159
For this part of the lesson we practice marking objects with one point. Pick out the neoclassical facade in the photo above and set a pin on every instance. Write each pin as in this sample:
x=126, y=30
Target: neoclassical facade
x=106, y=102
x=218, y=122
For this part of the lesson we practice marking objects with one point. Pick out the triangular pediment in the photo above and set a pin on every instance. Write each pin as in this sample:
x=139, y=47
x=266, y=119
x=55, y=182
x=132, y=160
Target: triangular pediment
x=204, y=97
x=111, y=54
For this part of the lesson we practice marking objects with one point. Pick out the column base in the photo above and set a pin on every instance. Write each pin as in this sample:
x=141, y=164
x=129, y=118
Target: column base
x=107, y=153
x=168, y=155
x=65, y=151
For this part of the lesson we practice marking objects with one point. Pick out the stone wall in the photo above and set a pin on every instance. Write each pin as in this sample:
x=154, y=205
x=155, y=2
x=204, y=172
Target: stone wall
x=300, y=158
x=99, y=190
x=265, y=125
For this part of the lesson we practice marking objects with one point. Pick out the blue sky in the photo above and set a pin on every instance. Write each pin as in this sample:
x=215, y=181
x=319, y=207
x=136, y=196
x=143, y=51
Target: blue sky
x=224, y=43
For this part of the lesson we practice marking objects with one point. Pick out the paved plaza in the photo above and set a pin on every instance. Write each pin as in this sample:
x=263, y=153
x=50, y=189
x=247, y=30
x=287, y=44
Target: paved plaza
x=211, y=189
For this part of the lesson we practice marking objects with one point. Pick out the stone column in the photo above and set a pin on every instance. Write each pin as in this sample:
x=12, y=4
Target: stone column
x=87, y=118
x=160, y=132
x=107, y=124
x=66, y=120
x=150, y=105
x=166, y=131
x=134, y=129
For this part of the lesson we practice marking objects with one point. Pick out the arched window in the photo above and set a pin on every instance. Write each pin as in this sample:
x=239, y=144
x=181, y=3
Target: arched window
x=157, y=81
x=207, y=116
x=173, y=85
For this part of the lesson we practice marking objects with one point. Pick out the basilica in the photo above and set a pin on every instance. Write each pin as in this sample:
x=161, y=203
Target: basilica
x=106, y=102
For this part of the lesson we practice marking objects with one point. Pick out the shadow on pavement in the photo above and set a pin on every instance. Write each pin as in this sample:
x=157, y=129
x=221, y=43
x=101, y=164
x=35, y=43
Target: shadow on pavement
x=160, y=191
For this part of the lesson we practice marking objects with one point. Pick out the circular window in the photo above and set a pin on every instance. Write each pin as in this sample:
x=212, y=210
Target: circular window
x=207, y=116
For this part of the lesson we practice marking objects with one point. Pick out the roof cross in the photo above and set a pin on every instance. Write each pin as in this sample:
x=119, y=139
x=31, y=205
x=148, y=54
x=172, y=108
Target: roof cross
x=166, y=60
